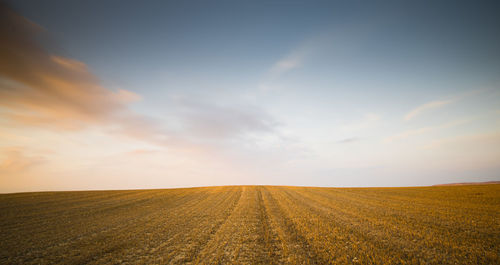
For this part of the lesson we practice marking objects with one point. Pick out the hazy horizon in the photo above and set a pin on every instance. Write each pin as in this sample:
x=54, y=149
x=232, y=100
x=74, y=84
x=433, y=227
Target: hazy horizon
x=100, y=95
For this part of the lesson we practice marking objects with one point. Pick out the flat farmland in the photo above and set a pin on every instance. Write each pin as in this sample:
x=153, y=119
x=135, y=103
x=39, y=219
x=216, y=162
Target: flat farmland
x=254, y=225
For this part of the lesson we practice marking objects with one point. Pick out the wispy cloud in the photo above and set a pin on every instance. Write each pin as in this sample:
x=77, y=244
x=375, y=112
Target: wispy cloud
x=441, y=103
x=43, y=90
x=291, y=61
x=423, y=130
x=38, y=87
x=281, y=67
x=286, y=64
x=484, y=141
x=427, y=107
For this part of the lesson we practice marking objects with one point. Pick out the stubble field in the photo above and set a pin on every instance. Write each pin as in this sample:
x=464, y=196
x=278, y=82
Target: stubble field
x=254, y=225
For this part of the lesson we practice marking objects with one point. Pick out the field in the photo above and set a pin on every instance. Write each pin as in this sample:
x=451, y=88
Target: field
x=254, y=225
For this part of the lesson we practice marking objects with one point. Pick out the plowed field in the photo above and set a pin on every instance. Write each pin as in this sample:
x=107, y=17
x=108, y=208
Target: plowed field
x=254, y=225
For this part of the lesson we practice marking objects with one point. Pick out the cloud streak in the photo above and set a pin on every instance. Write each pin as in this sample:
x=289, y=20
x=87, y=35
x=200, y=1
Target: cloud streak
x=287, y=64
x=441, y=103
x=293, y=60
x=426, y=107
x=423, y=130
x=41, y=89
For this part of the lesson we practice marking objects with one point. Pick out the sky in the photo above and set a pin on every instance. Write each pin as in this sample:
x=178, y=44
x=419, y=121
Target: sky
x=165, y=94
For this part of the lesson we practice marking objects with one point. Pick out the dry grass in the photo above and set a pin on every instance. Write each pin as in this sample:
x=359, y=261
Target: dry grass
x=254, y=225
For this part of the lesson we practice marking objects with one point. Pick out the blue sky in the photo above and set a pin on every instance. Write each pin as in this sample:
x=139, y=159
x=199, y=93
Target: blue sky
x=192, y=93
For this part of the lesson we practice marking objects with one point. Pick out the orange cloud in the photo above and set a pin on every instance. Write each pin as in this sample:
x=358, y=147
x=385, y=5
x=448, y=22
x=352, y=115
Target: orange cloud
x=42, y=89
